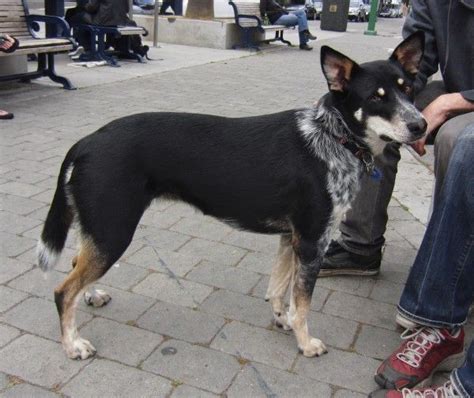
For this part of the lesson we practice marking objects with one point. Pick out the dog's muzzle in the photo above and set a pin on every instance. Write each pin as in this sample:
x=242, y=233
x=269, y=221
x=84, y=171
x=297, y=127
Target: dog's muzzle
x=417, y=128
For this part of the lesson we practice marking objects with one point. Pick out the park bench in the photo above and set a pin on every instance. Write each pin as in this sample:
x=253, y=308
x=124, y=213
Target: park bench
x=16, y=21
x=250, y=21
x=98, y=45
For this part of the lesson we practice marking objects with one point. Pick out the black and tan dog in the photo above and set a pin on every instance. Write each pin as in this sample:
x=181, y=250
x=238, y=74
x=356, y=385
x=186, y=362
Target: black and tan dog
x=292, y=173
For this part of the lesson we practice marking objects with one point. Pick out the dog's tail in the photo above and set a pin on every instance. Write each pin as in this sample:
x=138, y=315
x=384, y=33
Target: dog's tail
x=58, y=220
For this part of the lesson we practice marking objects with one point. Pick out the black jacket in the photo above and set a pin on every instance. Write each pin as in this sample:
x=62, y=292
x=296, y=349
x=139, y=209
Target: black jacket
x=107, y=12
x=272, y=9
x=449, y=42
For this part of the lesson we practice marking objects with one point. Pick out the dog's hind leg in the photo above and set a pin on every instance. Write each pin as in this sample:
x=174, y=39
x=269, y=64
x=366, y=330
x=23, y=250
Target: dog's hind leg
x=90, y=266
x=94, y=297
x=302, y=286
x=282, y=273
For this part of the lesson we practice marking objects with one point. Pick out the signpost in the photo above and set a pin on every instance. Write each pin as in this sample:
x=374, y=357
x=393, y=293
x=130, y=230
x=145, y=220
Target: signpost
x=372, y=18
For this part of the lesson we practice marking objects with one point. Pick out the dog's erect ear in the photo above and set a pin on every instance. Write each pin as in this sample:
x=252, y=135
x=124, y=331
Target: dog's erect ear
x=337, y=68
x=410, y=52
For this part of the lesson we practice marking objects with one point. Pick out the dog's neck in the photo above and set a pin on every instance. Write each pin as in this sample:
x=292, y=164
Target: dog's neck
x=329, y=136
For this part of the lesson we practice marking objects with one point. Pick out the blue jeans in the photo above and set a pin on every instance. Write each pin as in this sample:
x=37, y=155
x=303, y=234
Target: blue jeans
x=293, y=19
x=440, y=287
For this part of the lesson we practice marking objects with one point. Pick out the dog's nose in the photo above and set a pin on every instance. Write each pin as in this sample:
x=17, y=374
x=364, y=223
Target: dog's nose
x=417, y=128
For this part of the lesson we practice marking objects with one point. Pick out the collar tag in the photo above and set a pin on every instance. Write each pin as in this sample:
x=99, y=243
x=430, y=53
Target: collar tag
x=376, y=174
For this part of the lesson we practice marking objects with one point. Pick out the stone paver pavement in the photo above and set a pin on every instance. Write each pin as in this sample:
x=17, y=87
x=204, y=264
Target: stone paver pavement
x=188, y=316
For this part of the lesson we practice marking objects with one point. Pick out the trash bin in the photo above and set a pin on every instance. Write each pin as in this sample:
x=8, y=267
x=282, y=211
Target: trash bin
x=334, y=15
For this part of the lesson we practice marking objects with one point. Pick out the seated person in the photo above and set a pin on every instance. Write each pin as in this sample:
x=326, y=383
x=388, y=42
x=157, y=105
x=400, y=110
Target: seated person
x=279, y=16
x=104, y=13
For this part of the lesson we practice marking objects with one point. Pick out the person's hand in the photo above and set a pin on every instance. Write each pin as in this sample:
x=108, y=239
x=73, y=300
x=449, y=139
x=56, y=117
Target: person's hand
x=438, y=111
x=7, y=43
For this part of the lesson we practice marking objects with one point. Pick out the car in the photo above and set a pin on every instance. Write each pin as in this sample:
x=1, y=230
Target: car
x=358, y=11
x=393, y=10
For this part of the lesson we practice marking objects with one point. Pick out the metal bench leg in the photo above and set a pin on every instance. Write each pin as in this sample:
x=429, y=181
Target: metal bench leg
x=283, y=40
x=101, y=50
x=51, y=73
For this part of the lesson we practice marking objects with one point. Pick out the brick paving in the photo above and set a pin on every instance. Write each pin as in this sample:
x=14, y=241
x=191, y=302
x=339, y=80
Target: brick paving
x=188, y=318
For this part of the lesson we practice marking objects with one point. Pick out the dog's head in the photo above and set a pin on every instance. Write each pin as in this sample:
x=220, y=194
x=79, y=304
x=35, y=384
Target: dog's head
x=376, y=98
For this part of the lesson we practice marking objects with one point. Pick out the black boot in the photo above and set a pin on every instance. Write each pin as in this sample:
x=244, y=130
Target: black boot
x=305, y=47
x=309, y=35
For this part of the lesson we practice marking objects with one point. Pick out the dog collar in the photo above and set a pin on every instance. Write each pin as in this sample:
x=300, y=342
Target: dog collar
x=363, y=154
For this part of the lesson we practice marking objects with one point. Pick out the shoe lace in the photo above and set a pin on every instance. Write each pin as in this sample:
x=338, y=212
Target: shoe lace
x=447, y=390
x=420, y=342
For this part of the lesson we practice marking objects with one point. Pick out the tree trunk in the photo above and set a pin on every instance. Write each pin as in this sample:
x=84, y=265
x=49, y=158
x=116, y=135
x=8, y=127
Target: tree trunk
x=200, y=9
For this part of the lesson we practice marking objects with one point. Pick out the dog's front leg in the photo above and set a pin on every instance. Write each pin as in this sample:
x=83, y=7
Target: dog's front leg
x=282, y=273
x=302, y=286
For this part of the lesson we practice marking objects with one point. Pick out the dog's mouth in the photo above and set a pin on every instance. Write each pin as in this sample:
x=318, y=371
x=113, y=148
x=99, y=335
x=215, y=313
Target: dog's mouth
x=386, y=138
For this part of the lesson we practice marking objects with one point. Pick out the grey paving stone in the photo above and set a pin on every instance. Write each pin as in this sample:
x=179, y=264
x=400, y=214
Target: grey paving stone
x=20, y=189
x=124, y=307
x=258, y=262
x=164, y=261
x=230, y=278
x=127, y=344
x=124, y=276
x=361, y=309
x=272, y=348
x=359, y=286
x=161, y=238
x=213, y=251
x=49, y=367
x=34, y=282
x=18, y=205
x=396, y=254
x=104, y=378
x=202, y=228
x=27, y=390
x=184, y=391
x=40, y=317
x=254, y=242
x=178, y=208
x=239, y=307
x=179, y=322
x=344, y=369
x=348, y=394
x=15, y=224
x=333, y=331
x=7, y=334
x=198, y=366
x=12, y=245
x=173, y=290
x=159, y=219
x=10, y=297
x=376, y=342
x=398, y=213
x=408, y=227
x=257, y=380
x=387, y=292
x=3, y=381
x=320, y=294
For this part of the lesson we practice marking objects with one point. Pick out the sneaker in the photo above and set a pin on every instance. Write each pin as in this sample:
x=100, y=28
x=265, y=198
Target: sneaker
x=339, y=261
x=423, y=352
x=305, y=47
x=447, y=390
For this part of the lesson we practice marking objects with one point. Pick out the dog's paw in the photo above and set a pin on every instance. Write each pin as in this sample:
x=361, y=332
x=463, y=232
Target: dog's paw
x=97, y=297
x=314, y=348
x=80, y=349
x=281, y=321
